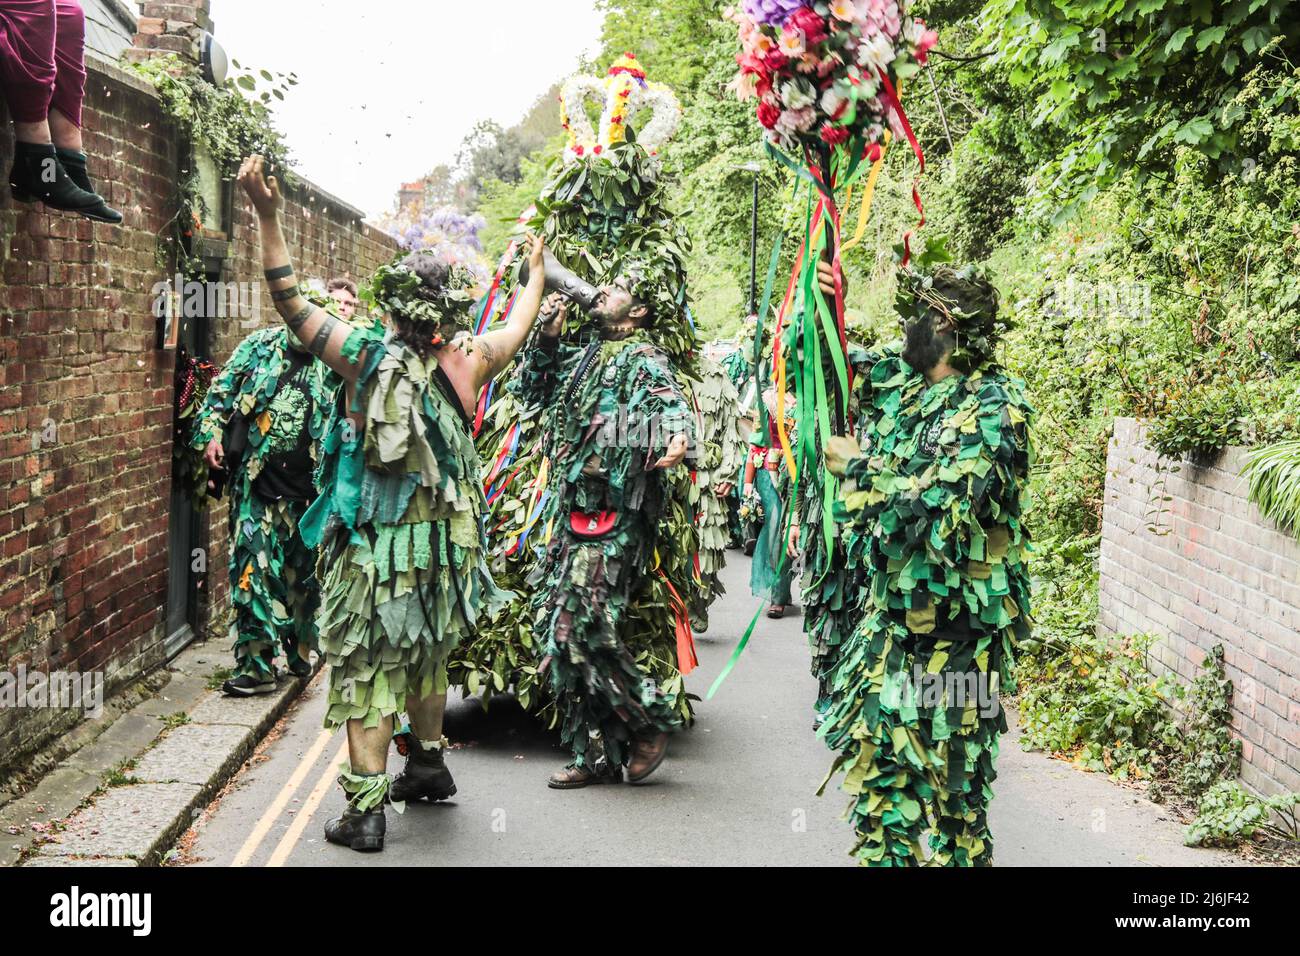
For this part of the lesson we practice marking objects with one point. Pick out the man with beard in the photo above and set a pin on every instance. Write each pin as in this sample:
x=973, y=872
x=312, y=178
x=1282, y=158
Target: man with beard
x=607, y=497
x=398, y=521
x=935, y=507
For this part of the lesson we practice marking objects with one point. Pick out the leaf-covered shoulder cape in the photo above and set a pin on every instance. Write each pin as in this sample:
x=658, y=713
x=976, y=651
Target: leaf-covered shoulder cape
x=246, y=385
x=413, y=461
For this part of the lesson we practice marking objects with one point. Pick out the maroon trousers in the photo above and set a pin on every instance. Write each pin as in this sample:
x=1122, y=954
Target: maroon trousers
x=41, y=61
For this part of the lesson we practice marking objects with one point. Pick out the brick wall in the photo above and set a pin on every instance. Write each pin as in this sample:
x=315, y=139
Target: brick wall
x=84, y=518
x=1212, y=571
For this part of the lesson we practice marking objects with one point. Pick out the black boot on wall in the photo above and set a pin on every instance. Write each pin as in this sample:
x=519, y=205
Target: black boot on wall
x=39, y=173
x=74, y=161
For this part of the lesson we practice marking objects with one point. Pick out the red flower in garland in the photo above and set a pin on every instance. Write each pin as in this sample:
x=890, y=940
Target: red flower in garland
x=809, y=24
x=834, y=134
x=768, y=114
x=775, y=60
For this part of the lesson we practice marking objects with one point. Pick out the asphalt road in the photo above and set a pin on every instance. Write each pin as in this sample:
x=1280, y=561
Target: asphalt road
x=739, y=788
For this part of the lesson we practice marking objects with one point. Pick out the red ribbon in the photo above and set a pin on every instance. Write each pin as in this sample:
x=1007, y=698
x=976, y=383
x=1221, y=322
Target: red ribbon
x=891, y=97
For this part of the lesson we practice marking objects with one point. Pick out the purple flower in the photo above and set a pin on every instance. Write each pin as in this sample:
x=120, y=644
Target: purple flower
x=773, y=12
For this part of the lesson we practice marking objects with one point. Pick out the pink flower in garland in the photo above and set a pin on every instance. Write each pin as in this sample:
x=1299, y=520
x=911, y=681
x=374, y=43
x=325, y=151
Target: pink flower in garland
x=921, y=37
x=791, y=41
x=768, y=114
x=776, y=61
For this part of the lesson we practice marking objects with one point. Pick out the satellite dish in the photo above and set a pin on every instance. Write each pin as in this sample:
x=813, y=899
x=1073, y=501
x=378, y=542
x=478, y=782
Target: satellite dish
x=213, y=60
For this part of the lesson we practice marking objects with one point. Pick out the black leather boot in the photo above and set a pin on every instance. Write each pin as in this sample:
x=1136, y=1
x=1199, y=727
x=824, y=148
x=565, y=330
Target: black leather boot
x=74, y=161
x=363, y=831
x=426, y=776
x=39, y=174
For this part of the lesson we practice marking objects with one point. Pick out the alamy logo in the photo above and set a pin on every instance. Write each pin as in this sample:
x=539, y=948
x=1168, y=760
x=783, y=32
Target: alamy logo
x=631, y=428
x=189, y=298
x=58, y=689
x=76, y=909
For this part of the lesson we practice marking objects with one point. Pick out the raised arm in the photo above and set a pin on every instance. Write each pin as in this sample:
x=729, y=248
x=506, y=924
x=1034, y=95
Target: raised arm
x=322, y=333
x=497, y=348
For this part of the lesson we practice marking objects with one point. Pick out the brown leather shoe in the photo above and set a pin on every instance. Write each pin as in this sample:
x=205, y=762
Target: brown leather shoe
x=574, y=778
x=647, y=755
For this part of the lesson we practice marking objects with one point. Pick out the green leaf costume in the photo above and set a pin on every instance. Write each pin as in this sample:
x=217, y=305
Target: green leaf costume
x=280, y=392
x=935, y=505
x=833, y=577
x=601, y=609
x=398, y=523
x=601, y=216
x=722, y=455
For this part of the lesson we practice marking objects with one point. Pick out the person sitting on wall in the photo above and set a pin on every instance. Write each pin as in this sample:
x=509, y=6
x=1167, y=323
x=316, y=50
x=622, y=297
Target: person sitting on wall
x=43, y=79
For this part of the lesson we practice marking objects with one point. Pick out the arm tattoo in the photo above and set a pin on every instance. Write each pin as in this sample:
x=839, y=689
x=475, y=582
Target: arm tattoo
x=489, y=352
x=283, y=295
x=279, y=272
x=322, y=337
x=296, y=320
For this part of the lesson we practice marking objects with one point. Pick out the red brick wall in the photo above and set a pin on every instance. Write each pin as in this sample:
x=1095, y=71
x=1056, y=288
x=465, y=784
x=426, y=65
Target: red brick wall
x=1209, y=569
x=83, y=519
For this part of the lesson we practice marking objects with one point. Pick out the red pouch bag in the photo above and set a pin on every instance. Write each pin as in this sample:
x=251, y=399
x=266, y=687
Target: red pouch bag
x=592, y=524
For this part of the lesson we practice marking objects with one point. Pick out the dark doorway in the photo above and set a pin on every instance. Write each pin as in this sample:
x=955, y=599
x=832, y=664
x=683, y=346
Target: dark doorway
x=187, y=568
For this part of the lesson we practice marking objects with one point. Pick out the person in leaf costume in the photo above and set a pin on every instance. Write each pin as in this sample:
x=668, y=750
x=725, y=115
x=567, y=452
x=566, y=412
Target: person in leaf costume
x=261, y=423
x=617, y=425
x=398, y=521
x=722, y=453
x=766, y=492
x=749, y=381
x=936, y=500
x=604, y=208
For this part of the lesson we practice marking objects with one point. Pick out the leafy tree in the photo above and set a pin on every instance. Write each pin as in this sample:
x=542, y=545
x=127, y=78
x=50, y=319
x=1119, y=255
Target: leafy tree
x=1134, y=79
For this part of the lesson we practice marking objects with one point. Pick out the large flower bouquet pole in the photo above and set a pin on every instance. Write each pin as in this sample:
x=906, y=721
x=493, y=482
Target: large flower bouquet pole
x=824, y=75
x=825, y=79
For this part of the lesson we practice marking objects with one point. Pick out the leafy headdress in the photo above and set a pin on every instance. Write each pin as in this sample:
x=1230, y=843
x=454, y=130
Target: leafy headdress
x=604, y=212
x=930, y=284
x=428, y=297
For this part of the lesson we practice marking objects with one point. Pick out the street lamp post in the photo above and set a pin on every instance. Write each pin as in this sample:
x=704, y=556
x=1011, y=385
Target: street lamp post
x=754, y=168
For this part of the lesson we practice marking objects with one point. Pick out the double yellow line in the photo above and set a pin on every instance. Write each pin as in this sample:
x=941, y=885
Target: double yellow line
x=291, y=837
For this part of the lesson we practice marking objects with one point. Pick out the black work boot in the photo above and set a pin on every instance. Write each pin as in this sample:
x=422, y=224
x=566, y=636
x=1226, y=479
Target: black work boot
x=426, y=775
x=362, y=830
x=38, y=173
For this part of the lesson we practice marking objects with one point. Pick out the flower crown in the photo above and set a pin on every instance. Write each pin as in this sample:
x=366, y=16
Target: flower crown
x=622, y=94
x=426, y=291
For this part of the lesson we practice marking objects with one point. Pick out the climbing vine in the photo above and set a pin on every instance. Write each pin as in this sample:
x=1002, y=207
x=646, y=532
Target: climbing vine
x=230, y=121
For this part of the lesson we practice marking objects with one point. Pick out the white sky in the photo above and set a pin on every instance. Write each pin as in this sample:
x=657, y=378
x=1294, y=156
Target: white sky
x=388, y=88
